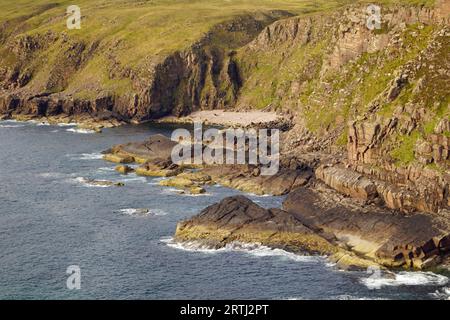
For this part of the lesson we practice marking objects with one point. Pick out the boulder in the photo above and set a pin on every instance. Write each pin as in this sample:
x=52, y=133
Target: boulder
x=347, y=182
x=158, y=168
x=177, y=182
x=155, y=147
x=116, y=158
x=124, y=169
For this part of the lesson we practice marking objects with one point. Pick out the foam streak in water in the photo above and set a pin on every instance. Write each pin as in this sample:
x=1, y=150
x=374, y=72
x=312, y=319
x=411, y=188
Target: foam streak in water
x=405, y=279
x=78, y=130
x=253, y=249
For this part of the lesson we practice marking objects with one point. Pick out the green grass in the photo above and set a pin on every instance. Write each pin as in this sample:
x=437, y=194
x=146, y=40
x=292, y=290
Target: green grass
x=404, y=152
x=138, y=33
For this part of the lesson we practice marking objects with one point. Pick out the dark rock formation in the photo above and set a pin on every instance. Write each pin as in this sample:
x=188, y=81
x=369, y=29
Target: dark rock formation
x=393, y=240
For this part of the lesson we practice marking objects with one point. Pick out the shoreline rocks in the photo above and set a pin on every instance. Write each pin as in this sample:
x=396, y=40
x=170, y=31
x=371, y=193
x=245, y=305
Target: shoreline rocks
x=392, y=239
x=82, y=121
x=351, y=238
x=102, y=183
x=238, y=219
x=334, y=211
x=124, y=169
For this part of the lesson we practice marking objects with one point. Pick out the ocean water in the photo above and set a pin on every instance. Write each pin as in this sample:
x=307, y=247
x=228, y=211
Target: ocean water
x=51, y=217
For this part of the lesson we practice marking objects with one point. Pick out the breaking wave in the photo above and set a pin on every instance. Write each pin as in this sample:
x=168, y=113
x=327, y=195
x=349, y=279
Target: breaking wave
x=143, y=212
x=88, y=183
x=79, y=130
x=441, y=294
x=86, y=156
x=253, y=249
x=405, y=278
x=11, y=125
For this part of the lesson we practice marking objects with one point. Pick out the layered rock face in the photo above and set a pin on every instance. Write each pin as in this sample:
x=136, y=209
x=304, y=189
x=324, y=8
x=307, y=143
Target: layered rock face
x=416, y=241
x=376, y=100
x=238, y=219
x=353, y=237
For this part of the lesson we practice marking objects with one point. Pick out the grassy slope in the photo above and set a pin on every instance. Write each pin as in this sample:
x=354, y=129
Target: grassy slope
x=135, y=31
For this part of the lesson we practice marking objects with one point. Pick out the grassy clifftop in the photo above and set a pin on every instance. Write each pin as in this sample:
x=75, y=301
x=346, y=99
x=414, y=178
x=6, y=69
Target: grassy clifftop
x=129, y=33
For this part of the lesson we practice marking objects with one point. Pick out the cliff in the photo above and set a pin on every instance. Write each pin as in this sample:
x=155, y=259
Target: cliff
x=369, y=107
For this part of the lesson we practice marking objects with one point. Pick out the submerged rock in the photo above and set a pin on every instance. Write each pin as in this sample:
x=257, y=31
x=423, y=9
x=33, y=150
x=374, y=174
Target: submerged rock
x=159, y=168
x=118, y=158
x=124, y=169
x=103, y=183
x=196, y=190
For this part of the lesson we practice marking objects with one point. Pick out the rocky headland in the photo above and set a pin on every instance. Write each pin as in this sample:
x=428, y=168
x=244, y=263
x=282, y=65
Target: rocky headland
x=364, y=115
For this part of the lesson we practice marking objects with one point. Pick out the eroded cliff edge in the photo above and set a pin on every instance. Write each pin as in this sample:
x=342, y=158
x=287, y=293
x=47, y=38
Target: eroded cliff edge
x=369, y=108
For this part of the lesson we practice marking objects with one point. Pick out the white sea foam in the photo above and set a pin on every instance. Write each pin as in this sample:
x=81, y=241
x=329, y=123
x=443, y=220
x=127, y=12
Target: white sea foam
x=79, y=130
x=11, y=126
x=351, y=297
x=106, y=169
x=143, y=212
x=179, y=192
x=51, y=175
x=155, y=181
x=132, y=177
x=86, y=156
x=253, y=195
x=405, y=278
x=441, y=294
x=187, y=194
x=170, y=191
x=66, y=124
x=253, y=249
x=88, y=183
x=339, y=297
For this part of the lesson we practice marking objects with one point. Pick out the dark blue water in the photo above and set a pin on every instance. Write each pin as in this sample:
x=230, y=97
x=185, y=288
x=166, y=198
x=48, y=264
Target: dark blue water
x=51, y=219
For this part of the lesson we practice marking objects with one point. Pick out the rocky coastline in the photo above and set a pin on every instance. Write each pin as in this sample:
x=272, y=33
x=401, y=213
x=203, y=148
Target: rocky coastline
x=363, y=114
x=352, y=226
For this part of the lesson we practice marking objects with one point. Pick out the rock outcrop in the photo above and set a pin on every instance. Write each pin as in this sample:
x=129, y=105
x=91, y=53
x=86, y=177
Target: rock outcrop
x=352, y=236
x=154, y=155
x=238, y=219
x=390, y=239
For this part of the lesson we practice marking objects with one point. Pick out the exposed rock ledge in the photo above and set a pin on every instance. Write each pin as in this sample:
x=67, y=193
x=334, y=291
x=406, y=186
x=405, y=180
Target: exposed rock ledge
x=154, y=155
x=351, y=236
x=239, y=219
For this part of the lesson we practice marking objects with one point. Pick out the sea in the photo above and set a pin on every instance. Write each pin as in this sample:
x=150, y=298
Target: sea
x=53, y=220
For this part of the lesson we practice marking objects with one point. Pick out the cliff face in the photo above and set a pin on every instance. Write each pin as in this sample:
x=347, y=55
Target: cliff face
x=203, y=76
x=376, y=100
x=371, y=106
